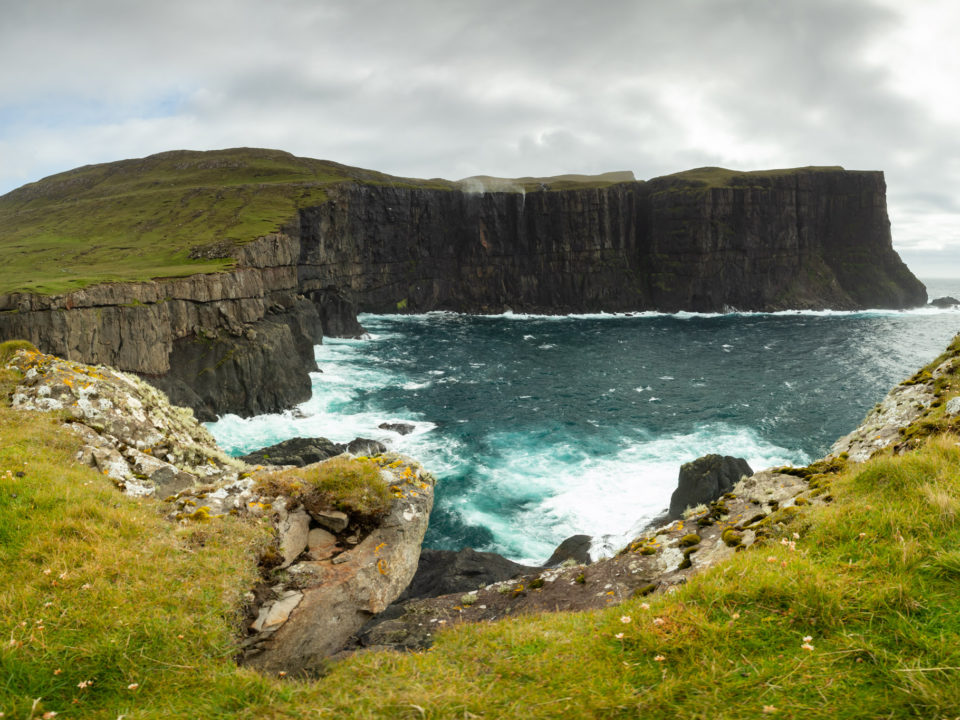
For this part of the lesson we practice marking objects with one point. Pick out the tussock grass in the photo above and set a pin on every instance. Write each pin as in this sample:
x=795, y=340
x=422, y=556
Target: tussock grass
x=10, y=347
x=871, y=581
x=353, y=485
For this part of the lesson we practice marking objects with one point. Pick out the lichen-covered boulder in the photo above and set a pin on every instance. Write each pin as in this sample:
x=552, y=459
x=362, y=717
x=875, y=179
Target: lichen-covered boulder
x=340, y=581
x=130, y=430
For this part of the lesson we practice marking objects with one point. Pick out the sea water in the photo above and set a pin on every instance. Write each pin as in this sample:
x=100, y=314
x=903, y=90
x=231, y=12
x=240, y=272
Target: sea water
x=541, y=427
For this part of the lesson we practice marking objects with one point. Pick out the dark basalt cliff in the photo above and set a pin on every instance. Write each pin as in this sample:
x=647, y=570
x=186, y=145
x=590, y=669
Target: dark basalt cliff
x=808, y=239
x=242, y=341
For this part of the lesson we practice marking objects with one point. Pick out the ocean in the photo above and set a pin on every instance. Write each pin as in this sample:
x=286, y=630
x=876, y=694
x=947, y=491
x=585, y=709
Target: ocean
x=542, y=427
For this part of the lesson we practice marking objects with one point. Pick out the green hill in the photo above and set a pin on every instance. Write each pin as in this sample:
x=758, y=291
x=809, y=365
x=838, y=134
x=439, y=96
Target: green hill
x=140, y=219
x=166, y=215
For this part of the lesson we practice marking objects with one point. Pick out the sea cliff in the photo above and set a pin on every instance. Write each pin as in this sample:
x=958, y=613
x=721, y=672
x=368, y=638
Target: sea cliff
x=811, y=238
x=241, y=340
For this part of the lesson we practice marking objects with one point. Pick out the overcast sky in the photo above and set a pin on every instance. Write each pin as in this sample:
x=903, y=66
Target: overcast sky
x=442, y=88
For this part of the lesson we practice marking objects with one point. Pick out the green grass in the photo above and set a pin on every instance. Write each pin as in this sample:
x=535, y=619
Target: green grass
x=131, y=598
x=139, y=219
x=706, y=177
x=352, y=485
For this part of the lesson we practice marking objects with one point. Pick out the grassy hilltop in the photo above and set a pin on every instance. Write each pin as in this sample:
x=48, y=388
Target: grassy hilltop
x=177, y=213
x=107, y=610
x=139, y=219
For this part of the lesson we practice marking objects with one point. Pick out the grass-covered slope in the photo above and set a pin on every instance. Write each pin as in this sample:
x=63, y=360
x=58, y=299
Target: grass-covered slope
x=139, y=219
x=709, y=177
x=853, y=612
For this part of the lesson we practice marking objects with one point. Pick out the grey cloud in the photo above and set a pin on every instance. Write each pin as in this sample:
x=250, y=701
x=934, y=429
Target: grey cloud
x=435, y=88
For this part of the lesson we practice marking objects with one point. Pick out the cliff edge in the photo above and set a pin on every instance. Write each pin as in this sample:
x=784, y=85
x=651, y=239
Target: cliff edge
x=213, y=275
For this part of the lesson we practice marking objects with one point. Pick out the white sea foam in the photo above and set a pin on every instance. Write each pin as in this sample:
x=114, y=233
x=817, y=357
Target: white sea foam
x=682, y=315
x=563, y=490
x=332, y=412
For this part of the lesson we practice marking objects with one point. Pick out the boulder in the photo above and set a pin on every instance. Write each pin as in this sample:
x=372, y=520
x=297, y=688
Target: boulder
x=365, y=446
x=333, y=520
x=953, y=406
x=705, y=479
x=293, y=532
x=398, y=427
x=945, y=302
x=296, y=451
x=321, y=544
x=446, y=571
x=575, y=547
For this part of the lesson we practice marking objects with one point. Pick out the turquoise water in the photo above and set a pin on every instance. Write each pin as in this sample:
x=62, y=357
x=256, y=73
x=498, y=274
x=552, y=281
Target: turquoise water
x=542, y=427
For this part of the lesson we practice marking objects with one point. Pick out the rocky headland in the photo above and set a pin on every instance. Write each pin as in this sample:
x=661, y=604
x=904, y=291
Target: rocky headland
x=241, y=340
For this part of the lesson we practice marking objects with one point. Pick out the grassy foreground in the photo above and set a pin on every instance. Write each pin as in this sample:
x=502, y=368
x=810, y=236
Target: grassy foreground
x=107, y=610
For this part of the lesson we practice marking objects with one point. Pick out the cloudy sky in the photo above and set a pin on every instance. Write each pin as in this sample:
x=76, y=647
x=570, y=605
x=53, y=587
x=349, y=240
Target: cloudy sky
x=444, y=88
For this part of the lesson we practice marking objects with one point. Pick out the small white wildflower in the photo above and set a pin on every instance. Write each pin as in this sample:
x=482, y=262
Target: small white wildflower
x=624, y=619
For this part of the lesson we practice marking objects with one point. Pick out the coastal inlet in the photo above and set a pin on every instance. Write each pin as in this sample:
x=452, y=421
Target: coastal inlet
x=539, y=428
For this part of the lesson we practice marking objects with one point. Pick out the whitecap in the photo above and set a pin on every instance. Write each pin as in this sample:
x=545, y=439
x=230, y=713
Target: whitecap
x=563, y=489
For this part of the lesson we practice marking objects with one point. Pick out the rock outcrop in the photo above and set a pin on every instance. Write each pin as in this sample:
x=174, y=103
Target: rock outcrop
x=130, y=431
x=336, y=585
x=705, y=479
x=441, y=572
x=305, y=451
x=340, y=568
x=945, y=302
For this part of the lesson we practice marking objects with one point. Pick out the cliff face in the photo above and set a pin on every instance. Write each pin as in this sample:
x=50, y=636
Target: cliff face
x=242, y=341
x=808, y=239
x=396, y=248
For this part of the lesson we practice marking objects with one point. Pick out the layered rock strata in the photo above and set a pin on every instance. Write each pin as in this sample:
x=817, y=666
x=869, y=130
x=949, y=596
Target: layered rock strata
x=800, y=239
x=242, y=341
